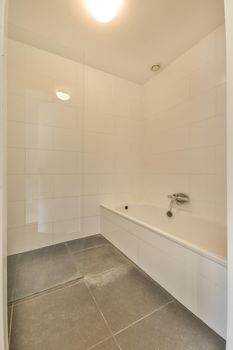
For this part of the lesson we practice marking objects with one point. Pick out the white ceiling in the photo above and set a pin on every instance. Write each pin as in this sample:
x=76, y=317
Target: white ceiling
x=144, y=32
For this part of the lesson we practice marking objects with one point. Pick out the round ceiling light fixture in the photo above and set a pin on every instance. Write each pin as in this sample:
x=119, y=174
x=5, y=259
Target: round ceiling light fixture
x=155, y=67
x=64, y=96
x=104, y=10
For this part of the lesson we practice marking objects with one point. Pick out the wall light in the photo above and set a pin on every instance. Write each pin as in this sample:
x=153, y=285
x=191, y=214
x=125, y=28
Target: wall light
x=104, y=10
x=62, y=95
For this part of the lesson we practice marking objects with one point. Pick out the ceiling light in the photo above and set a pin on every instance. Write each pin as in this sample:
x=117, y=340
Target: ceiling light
x=104, y=10
x=62, y=95
x=155, y=67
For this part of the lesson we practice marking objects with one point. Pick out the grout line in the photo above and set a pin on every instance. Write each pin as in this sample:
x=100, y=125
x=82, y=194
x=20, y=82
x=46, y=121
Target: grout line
x=131, y=262
x=56, y=244
x=116, y=341
x=192, y=148
x=46, y=291
x=143, y=317
x=84, y=249
x=154, y=282
x=63, y=285
x=186, y=99
x=73, y=282
x=71, y=254
x=100, y=311
x=100, y=342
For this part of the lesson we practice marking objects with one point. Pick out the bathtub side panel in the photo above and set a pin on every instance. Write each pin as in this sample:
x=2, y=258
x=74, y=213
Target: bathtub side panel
x=118, y=236
x=195, y=281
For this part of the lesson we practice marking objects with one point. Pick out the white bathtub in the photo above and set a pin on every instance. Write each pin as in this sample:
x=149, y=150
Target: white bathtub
x=185, y=254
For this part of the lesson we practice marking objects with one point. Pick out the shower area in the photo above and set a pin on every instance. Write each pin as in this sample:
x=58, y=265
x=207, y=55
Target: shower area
x=116, y=179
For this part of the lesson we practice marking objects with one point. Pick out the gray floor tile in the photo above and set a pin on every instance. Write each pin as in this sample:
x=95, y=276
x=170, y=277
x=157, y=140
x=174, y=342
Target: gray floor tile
x=171, y=328
x=12, y=264
x=65, y=319
x=42, y=269
x=98, y=260
x=86, y=243
x=107, y=345
x=125, y=295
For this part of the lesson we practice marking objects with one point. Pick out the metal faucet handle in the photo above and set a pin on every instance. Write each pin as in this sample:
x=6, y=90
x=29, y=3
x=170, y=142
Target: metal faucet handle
x=179, y=198
x=171, y=196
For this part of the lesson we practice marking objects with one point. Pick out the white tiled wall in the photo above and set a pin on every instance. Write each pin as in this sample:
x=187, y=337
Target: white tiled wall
x=64, y=159
x=44, y=148
x=112, y=141
x=184, y=130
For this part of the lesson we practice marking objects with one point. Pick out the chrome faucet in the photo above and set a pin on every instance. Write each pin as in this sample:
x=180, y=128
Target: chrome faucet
x=178, y=199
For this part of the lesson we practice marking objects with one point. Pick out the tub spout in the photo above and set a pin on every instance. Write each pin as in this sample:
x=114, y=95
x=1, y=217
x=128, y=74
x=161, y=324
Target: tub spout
x=179, y=199
x=169, y=212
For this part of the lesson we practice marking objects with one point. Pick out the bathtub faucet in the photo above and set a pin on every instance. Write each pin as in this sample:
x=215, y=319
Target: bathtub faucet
x=178, y=199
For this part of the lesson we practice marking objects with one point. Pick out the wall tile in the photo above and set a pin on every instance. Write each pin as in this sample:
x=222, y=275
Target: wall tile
x=91, y=205
x=32, y=187
x=221, y=99
x=206, y=77
x=64, y=228
x=211, y=132
x=90, y=226
x=66, y=208
x=16, y=187
x=67, y=185
x=32, y=161
x=184, y=130
x=16, y=161
x=91, y=184
x=26, y=238
x=16, y=134
x=16, y=107
x=16, y=214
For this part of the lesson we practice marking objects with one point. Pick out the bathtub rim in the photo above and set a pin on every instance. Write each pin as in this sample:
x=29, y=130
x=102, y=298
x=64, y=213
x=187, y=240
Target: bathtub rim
x=221, y=260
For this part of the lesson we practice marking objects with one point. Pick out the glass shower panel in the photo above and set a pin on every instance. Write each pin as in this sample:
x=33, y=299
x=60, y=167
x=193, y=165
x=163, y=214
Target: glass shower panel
x=56, y=166
x=45, y=147
x=54, y=158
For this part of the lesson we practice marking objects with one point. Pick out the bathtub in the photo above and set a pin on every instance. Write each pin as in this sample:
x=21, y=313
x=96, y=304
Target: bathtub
x=185, y=254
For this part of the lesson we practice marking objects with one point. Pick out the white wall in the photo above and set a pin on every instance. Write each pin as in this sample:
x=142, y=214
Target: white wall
x=112, y=141
x=66, y=158
x=184, y=129
x=44, y=148
x=3, y=238
x=229, y=46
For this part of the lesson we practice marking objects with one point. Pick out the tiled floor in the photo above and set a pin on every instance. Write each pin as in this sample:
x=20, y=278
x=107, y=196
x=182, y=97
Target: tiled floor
x=85, y=295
